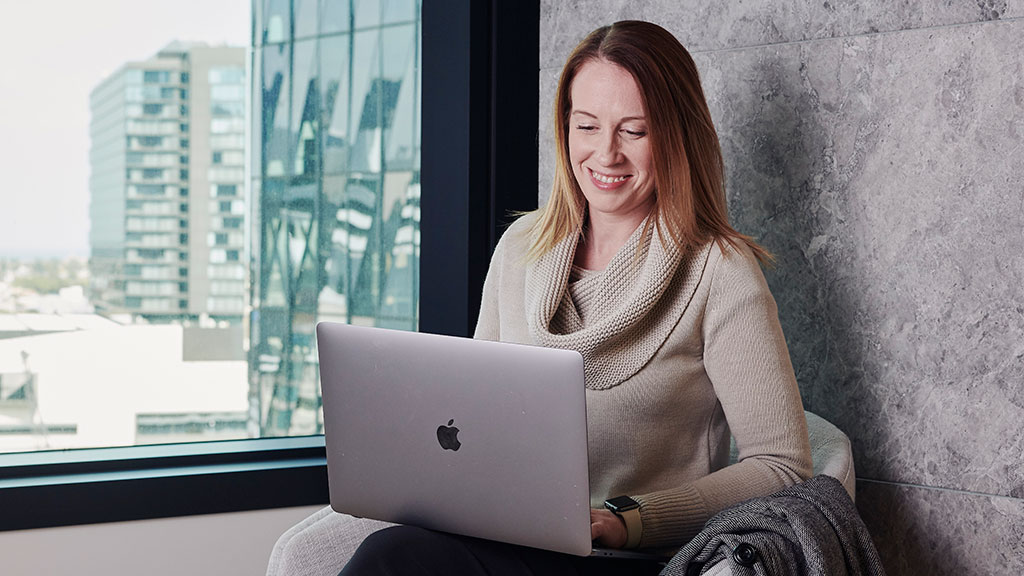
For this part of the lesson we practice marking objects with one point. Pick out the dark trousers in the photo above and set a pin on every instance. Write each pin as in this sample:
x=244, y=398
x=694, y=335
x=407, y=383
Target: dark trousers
x=407, y=550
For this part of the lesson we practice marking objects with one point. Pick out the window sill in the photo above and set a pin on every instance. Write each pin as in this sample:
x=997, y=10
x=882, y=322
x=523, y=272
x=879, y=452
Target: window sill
x=64, y=488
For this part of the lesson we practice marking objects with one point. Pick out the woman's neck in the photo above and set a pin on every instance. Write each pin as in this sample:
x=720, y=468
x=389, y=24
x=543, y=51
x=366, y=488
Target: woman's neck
x=603, y=236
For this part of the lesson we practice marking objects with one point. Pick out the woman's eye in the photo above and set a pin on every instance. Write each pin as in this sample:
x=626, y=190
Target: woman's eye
x=586, y=127
x=636, y=133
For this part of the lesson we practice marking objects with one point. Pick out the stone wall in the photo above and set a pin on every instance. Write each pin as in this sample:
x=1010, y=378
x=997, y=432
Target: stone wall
x=876, y=149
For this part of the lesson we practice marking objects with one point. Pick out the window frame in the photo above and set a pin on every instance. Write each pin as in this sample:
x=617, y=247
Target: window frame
x=479, y=67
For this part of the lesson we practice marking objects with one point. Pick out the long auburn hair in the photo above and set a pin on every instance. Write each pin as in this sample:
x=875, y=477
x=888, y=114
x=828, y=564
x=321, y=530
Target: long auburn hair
x=689, y=176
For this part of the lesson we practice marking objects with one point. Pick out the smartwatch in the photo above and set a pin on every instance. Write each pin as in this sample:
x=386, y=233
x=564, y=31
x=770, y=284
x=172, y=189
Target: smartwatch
x=629, y=510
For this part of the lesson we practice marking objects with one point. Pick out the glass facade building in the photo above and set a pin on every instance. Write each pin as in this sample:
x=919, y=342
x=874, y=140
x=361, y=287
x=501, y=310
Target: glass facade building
x=335, y=167
x=166, y=132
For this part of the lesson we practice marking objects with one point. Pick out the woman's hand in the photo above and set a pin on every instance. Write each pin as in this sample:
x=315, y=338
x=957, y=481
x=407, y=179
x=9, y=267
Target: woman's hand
x=607, y=529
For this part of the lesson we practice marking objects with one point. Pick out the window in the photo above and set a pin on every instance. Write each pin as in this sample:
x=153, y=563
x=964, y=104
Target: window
x=156, y=76
x=234, y=75
x=150, y=189
x=322, y=104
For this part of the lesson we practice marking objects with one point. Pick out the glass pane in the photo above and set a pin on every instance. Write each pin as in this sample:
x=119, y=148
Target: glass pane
x=276, y=21
x=161, y=245
x=306, y=15
x=334, y=66
x=305, y=110
x=341, y=236
x=335, y=16
x=365, y=111
x=122, y=279
x=367, y=13
x=275, y=76
x=254, y=147
x=398, y=11
x=401, y=246
x=361, y=221
x=399, y=96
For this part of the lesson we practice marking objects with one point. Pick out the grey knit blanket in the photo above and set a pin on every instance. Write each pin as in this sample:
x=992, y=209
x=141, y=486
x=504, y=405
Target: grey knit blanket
x=811, y=529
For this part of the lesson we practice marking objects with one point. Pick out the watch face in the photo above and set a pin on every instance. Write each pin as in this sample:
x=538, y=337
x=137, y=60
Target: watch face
x=621, y=504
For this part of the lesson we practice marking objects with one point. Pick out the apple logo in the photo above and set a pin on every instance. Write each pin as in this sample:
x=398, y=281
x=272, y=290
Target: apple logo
x=448, y=436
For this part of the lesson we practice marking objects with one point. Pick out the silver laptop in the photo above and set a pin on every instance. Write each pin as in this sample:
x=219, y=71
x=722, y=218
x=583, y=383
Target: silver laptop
x=484, y=439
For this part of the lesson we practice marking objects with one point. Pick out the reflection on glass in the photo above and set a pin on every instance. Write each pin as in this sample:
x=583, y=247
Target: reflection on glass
x=275, y=18
x=399, y=68
x=335, y=17
x=367, y=12
x=338, y=220
x=334, y=67
x=306, y=15
x=367, y=88
x=276, y=77
x=398, y=11
x=305, y=104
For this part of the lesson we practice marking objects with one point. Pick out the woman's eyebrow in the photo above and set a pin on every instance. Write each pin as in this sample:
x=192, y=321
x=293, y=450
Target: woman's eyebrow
x=626, y=119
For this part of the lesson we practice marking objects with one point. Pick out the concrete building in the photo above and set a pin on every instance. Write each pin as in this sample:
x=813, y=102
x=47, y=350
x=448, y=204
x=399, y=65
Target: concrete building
x=83, y=381
x=167, y=202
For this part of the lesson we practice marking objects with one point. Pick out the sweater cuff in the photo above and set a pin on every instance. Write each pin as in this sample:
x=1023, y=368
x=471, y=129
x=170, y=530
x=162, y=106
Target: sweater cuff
x=671, y=517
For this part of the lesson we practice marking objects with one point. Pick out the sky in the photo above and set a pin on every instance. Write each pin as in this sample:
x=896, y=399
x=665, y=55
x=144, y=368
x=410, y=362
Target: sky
x=54, y=53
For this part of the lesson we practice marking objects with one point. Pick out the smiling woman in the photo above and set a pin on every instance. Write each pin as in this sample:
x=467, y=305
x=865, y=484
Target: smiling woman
x=633, y=264
x=611, y=157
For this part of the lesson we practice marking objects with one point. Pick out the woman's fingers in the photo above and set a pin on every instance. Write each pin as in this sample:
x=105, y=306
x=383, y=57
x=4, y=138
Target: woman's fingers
x=607, y=529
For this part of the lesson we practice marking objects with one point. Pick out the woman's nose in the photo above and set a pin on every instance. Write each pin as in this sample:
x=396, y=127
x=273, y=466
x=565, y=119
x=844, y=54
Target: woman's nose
x=608, y=153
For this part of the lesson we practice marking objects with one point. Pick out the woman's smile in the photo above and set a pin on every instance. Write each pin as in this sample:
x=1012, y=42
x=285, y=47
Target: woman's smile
x=607, y=181
x=609, y=146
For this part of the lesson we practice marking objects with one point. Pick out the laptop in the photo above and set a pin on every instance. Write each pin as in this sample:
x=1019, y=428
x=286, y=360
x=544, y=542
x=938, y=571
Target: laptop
x=472, y=437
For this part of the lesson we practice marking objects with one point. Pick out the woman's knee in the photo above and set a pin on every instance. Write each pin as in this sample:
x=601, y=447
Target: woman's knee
x=401, y=550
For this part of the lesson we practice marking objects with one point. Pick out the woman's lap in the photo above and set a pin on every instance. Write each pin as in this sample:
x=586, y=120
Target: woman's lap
x=408, y=550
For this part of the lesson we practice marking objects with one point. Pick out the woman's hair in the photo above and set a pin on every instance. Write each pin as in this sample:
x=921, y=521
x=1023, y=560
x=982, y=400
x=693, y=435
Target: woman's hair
x=689, y=180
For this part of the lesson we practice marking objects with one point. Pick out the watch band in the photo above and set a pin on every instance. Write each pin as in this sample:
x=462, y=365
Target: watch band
x=634, y=527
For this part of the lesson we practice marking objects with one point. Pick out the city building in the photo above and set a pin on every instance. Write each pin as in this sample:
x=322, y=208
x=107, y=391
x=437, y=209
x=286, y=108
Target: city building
x=157, y=393
x=167, y=194
x=336, y=189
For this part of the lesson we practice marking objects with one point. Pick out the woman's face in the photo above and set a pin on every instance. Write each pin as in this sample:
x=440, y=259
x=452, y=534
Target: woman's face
x=609, y=142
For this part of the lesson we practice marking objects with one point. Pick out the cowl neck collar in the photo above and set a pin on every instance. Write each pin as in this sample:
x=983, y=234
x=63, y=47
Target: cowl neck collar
x=644, y=290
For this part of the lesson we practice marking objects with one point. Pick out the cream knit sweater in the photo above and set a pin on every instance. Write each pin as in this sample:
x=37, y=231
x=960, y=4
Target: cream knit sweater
x=679, y=350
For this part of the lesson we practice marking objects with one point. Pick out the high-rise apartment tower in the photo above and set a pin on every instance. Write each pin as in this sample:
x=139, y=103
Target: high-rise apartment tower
x=167, y=195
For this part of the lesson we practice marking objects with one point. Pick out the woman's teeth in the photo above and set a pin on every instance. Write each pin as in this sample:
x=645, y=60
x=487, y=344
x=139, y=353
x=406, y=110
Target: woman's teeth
x=608, y=179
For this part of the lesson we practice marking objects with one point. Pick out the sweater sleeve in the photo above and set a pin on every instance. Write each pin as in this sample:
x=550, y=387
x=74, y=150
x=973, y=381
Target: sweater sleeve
x=748, y=364
x=488, y=322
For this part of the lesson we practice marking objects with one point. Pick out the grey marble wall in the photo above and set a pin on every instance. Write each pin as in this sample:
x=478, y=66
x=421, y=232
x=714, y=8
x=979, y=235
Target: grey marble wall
x=877, y=148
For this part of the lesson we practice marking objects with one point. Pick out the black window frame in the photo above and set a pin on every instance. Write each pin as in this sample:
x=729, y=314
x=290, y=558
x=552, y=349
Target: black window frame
x=479, y=145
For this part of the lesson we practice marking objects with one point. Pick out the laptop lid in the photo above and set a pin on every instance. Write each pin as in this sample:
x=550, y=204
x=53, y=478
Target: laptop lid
x=484, y=439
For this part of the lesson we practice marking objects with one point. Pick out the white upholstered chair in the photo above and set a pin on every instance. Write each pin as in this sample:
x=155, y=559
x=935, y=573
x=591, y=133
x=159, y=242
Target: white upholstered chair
x=321, y=544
